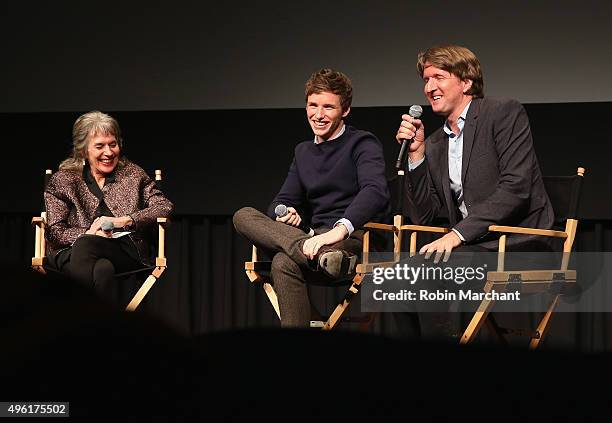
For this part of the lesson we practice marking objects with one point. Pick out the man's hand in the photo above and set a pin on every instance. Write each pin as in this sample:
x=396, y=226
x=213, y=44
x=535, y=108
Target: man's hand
x=412, y=128
x=292, y=217
x=442, y=245
x=312, y=245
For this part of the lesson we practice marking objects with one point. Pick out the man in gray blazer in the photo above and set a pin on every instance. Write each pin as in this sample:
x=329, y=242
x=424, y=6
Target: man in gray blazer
x=480, y=168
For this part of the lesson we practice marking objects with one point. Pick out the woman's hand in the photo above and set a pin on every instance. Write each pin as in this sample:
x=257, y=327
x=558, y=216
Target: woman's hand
x=118, y=222
x=101, y=233
x=95, y=229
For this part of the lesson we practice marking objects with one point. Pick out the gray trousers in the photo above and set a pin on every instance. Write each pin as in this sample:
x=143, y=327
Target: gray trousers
x=291, y=269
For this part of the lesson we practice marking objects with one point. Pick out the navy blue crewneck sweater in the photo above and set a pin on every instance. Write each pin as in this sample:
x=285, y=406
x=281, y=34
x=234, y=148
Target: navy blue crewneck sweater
x=341, y=178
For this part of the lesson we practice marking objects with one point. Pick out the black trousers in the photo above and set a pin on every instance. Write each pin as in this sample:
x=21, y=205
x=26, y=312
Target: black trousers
x=427, y=322
x=431, y=324
x=94, y=260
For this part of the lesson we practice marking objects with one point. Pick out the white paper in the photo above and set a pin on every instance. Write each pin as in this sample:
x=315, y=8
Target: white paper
x=120, y=234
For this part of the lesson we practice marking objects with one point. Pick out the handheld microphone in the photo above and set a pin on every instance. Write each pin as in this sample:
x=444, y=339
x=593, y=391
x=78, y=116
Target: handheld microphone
x=107, y=226
x=415, y=111
x=281, y=211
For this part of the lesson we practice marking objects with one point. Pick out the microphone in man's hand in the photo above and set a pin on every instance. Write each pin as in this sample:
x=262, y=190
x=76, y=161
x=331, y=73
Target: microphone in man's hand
x=107, y=226
x=281, y=211
x=415, y=111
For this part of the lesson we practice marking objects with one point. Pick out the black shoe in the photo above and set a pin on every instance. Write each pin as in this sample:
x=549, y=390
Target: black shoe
x=337, y=264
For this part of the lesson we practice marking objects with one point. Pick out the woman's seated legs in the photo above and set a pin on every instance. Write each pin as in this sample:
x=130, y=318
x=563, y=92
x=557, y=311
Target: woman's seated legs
x=94, y=261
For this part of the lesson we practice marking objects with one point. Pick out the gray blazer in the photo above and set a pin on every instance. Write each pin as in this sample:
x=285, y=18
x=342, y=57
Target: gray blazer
x=502, y=182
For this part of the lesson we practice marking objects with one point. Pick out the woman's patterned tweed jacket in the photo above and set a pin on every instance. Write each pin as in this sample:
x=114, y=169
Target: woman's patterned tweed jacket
x=71, y=206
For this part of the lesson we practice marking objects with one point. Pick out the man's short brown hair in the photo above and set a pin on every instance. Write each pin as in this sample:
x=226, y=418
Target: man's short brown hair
x=335, y=82
x=457, y=60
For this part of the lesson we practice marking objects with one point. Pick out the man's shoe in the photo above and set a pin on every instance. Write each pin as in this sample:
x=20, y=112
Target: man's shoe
x=337, y=264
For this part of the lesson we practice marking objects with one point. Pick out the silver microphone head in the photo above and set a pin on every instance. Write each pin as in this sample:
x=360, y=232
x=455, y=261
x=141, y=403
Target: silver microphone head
x=107, y=226
x=415, y=111
x=281, y=210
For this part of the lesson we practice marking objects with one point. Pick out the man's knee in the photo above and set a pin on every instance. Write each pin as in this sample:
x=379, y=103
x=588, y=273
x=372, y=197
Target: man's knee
x=243, y=216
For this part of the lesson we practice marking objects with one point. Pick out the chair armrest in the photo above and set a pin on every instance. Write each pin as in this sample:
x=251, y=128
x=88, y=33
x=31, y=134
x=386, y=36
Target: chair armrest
x=380, y=226
x=258, y=266
x=39, y=262
x=365, y=268
x=161, y=240
x=40, y=244
x=37, y=220
x=419, y=228
x=527, y=231
x=252, y=269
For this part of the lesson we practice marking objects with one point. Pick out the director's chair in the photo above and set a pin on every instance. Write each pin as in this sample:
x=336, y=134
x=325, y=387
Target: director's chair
x=564, y=193
x=39, y=260
x=258, y=271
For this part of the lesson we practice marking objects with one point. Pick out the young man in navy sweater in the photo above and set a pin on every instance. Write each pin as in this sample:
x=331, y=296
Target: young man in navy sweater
x=336, y=184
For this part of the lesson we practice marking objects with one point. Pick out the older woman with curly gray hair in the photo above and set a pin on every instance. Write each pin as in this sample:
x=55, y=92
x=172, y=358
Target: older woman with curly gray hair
x=97, y=186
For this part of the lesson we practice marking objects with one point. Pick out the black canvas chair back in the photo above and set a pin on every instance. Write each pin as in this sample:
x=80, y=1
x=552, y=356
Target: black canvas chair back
x=564, y=194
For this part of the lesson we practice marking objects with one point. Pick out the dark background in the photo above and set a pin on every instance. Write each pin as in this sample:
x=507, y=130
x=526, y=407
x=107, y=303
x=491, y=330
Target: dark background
x=215, y=162
x=212, y=93
x=210, y=173
x=201, y=55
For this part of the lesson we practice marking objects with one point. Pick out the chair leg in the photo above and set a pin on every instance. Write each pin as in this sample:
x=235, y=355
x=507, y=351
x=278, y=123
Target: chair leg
x=543, y=326
x=479, y=318
x=144, y=289
x=346, y=301
x=271, y=293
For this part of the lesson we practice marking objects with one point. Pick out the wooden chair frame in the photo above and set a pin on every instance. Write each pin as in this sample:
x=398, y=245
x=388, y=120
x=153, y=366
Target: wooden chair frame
x=39, y=258
x=532, y=281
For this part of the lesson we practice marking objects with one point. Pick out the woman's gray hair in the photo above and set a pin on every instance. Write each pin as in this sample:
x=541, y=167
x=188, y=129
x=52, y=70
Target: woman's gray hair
x=86, y=126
